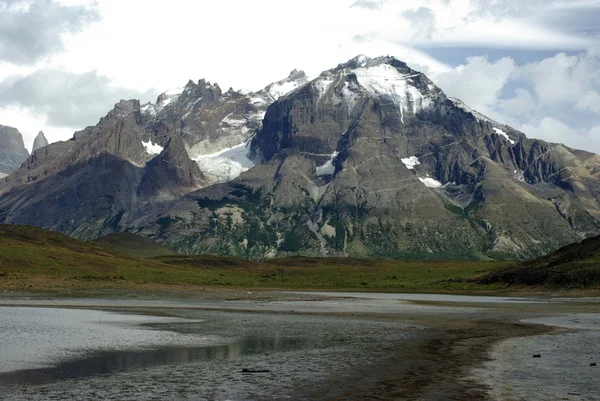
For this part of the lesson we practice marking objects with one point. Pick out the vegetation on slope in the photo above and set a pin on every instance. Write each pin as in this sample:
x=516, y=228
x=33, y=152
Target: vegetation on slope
x=134, y=245
x=36, y=259
x=574, y=266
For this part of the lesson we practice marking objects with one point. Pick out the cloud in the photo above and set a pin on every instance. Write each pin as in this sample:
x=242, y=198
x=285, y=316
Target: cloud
x=556, y=99
x=563, y=78
x=478, y=82
x=589, y=102
x=506, y=8
x=369, y=4
x=523, y=104
x=31, y=30
x=422, y=21
x=554, y=130
x=66, y=98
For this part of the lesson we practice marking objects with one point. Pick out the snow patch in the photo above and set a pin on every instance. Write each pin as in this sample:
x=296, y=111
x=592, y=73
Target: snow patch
x=504, y=134
x=461, y=105
x=281, y=88
x=322, y=85
x=519, y=176
x=2, y=175
x=167, y=97
x=226, y=164
x=328, y=168
x=234, y=124
x=347, y=94
x=361, y=60
x=258, y=101
x=431, y=183
x=174, y=92
x=411, y=162
x=151, y=148
x=388, y=81
x=148, y=108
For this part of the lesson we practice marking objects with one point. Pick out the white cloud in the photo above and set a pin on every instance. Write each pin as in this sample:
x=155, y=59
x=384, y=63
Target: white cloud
x=589, y=102
x=65, y=98
x=32, y=29
x=554, y=130
x=563, y=78
x=478, y=82
x=522, y=105
x=556, y=99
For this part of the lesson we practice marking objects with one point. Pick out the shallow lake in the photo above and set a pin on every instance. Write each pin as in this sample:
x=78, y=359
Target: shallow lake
x=55, y=353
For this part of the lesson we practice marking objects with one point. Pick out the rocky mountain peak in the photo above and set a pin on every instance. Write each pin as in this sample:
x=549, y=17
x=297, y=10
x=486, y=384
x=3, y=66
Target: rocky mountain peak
x=277, y=89
x=296, y=75
x=39, y=142
x=171, y=172
x=123, y=108
x=12, y=149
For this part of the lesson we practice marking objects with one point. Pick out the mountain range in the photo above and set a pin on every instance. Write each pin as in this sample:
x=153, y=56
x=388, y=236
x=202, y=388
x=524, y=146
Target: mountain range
x=369, y=159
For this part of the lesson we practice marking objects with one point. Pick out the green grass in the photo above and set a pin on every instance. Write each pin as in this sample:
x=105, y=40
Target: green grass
x=337, y=273
x=39, y=259
x=134, y=245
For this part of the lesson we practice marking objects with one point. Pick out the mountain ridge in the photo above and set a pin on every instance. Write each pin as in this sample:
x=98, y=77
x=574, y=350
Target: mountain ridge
x=369, y=159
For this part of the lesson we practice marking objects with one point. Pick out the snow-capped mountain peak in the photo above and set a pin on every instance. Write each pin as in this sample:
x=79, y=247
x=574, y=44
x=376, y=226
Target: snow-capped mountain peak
x=167, y=97
x=381, y=77
x=278, y=89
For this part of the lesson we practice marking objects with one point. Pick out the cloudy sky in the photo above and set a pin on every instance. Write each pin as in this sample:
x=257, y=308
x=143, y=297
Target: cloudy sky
x=532, y=64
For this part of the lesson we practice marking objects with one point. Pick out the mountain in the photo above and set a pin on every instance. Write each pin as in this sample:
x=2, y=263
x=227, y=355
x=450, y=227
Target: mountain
x=373, y=159
x=369, y=159
x=574, y=266
x=138, y=160
x=39, y=142
x=12, y=150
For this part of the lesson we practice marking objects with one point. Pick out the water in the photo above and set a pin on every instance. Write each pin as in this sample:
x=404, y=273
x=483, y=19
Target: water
x=562, y=373
x=200, y=355
x=121, y=361
x=41, y=337
x=469, y=299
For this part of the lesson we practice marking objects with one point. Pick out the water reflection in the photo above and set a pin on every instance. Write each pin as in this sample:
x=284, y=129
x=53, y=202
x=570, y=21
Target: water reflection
x=120, y=361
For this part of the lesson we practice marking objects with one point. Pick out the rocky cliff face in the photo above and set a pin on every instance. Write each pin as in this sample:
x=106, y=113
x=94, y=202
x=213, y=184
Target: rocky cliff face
x=39, y=142
x=372, y=159
x=102, y=179
x=12, y=150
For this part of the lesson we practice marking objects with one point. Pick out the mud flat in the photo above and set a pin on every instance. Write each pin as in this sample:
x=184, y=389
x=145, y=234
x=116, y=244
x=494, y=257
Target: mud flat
x=295, y=346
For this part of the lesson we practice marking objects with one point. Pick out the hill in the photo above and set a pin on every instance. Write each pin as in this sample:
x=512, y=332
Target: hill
x=134, y=245
x=574, y=266
x=28, y=253
x=35, y=259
